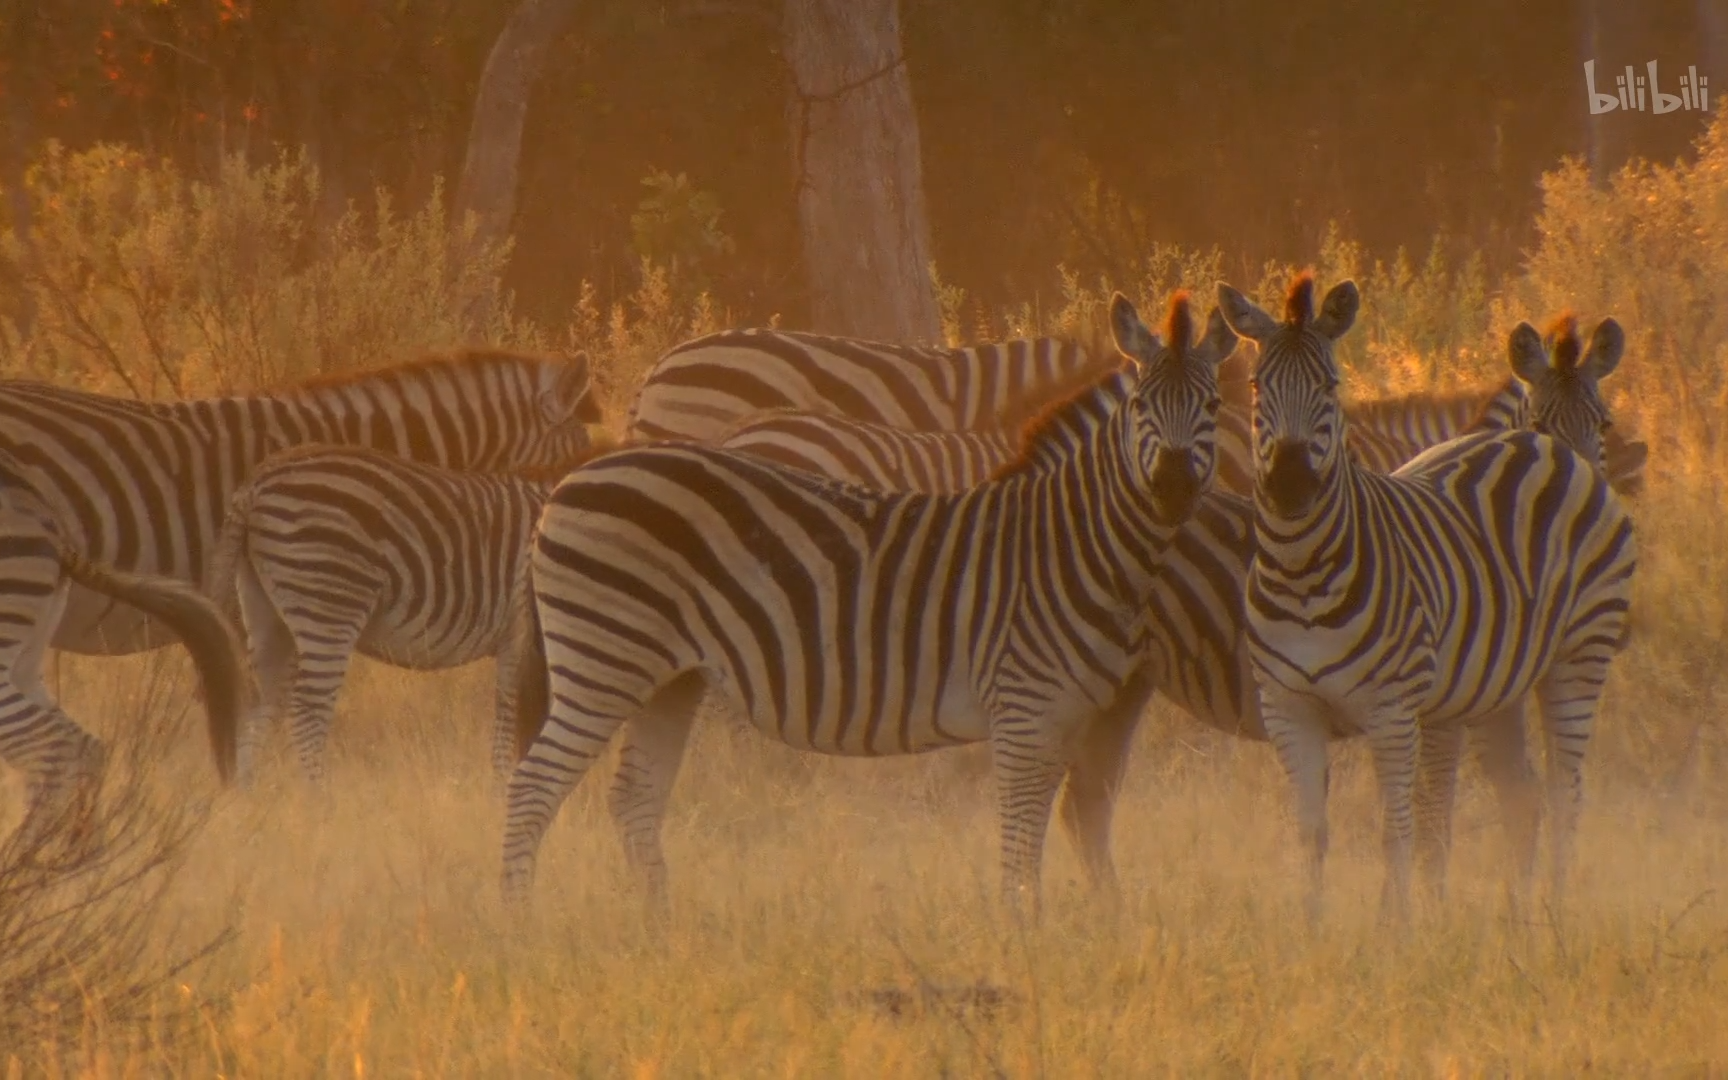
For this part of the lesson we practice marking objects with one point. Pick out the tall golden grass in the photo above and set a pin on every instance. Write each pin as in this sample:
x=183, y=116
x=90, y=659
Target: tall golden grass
x=837, y=918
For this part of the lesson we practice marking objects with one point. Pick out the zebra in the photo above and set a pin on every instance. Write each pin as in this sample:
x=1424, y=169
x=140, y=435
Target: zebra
x=849, y=621
x=37, y=566
x=143, y=487
x=1494, y=565
x=1564, y=402
x=329, y=551
x=1196, y=658
x=699, y=389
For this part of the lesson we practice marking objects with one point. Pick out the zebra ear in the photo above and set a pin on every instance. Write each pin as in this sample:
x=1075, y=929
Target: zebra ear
x=1338, y=310
x=574, y=394
x=1243, y=315
x=1133, y=339
x=1607, y=343
x=1528, y=354
x=1219, y=342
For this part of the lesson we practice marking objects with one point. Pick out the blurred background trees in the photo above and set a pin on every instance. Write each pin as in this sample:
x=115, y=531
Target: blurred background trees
x=1071, y=133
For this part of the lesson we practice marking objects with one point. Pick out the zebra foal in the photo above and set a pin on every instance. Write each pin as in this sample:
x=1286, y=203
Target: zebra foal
x=1490, y=567
x=848, y=621
x=332, y=551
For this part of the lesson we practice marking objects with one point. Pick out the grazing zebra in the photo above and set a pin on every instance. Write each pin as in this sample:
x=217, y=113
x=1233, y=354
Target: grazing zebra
x=144, y=487
x=37, y=565
x=329, y=551
x=703, y=387
x=849, y=621
x=1492, y=566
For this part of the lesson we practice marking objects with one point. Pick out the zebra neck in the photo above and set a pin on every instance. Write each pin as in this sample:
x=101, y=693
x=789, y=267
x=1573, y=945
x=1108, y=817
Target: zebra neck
x=1101, y=515
x=1312, y=548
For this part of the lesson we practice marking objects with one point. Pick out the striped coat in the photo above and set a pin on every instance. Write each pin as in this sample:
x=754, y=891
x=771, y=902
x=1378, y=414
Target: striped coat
x=142, y=489
x=332, y=551
x=1493, y=566
x=704, y=387
x=849, y=621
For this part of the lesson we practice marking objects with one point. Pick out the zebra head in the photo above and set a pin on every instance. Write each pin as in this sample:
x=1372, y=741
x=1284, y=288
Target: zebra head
x=1565, y=398
x=564, y=396
x=1299, y=445
x=1171, y=413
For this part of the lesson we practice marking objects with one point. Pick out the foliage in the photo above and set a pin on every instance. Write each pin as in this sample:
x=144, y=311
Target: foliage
x=677, y=225
x=143, y=282
x=84, y=948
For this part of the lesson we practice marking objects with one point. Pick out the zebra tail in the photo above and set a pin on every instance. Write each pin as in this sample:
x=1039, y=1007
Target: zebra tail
x=201, y=626
x=223, y=586
x=533, y=691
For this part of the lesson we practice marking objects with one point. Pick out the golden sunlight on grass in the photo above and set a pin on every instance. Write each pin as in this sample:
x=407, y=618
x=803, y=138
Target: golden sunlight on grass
x=837, y=918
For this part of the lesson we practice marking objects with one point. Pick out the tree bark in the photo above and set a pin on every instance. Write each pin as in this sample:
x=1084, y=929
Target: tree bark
x=857, y=172
x=489, y=170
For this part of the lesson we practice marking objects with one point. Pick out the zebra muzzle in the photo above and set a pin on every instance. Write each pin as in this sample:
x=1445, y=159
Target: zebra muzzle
x=1175, y=485
x=1290, y=482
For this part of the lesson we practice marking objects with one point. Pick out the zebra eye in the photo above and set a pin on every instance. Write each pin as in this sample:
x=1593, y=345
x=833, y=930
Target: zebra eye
x=1214, y=403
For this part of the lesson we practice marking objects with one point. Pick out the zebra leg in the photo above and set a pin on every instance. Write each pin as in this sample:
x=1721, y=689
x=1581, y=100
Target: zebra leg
x=1499, y=744
x=273, y=655
x=1095, y=777
x=570, y=741
x=1395, y=740
x=1298, y=731
x=323, y=650
x=36, y=736
x=1029, y=760
x=1436, y=787
x=653, y=749
x=1568, y=696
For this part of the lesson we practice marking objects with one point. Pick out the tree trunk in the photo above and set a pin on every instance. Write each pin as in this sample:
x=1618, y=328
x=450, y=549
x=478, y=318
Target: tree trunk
x=488, y=187
x=857, y=174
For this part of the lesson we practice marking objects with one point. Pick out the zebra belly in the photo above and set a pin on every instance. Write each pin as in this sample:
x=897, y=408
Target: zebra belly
x=900, y=726
x=404, y=641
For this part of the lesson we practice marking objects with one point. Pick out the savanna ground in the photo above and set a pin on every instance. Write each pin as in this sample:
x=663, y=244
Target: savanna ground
x=838, y=917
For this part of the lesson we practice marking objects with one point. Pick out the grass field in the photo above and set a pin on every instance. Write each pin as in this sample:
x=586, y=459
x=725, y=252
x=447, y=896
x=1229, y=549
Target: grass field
x=837, y=918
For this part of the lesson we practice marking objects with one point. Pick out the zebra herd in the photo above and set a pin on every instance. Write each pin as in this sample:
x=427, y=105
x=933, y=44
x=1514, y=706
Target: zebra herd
x=866, y=549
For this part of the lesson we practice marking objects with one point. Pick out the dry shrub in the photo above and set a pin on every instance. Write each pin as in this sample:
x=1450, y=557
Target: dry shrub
x=88, y=952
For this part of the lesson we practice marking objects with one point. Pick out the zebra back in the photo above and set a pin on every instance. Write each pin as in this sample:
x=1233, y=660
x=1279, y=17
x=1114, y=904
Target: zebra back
x=145, y=486
x=871, y=454
x=699, y=389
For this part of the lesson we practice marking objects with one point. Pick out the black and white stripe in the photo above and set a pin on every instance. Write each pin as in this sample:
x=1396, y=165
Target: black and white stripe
x=330, y=551
x=1493, y=566
x=704, y=387
x=143, y=488
x=38, y=566
x=850, y=621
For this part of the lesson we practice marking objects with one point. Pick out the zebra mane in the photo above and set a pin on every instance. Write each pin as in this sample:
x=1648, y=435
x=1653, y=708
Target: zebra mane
x=1565, y=347
x=1065, y=414
x=1299, y=303
x=429, y=364
x=1179, y=324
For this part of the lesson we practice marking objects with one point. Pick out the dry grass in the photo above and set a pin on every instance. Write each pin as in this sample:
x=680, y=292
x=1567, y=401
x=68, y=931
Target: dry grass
x=836, y=918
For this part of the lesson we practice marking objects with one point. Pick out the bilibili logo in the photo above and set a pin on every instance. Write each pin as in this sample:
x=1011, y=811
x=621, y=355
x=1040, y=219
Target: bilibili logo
x=1631, y=88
